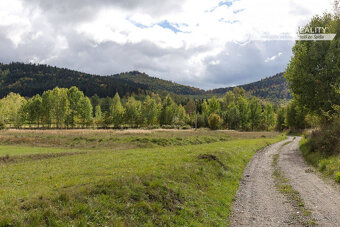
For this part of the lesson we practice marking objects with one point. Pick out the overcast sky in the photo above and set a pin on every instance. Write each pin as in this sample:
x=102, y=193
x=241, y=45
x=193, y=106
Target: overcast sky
x=203, y=43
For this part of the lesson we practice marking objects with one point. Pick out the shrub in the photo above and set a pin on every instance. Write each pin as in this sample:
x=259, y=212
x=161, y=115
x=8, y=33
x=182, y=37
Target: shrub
x=186, y=127
x=337, y=177
x=214, y=121
x=2, y=125
x=326, y=140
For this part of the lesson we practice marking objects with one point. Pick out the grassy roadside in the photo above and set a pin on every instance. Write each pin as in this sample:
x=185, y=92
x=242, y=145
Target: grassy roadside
x=169, y=185
x=327, y=164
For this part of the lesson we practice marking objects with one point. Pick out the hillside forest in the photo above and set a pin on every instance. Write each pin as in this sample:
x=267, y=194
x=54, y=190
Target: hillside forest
x=31, y=79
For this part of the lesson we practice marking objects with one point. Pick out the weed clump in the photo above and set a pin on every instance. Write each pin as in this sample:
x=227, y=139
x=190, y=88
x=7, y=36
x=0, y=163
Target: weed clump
x=211, y=157
x=337, y=177
x=5, y=158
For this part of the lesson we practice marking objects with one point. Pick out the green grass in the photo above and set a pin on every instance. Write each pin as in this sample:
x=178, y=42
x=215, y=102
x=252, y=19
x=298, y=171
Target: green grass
x=163, y=184
x=119, y=139
x=11, y=150
x=327, y=164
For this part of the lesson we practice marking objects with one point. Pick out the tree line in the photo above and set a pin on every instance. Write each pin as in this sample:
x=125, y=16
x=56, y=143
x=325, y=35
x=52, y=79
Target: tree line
x=314, y=78
x=70, y=108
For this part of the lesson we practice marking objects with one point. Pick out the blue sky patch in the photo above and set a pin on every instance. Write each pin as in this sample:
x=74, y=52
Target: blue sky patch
x=227, y=3
x=166, y=24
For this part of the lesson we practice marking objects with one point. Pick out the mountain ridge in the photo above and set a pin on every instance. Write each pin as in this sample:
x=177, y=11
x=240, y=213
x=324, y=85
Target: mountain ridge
x=272, y=88
x=31, y=79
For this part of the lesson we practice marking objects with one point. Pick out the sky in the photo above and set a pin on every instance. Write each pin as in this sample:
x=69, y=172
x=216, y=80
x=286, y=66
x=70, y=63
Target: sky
x=206, y=44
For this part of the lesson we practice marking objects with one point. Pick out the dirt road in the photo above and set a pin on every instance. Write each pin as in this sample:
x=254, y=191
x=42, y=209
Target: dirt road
x=260, y=203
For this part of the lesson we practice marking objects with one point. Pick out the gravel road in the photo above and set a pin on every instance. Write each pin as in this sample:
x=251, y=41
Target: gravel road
x=258, y=203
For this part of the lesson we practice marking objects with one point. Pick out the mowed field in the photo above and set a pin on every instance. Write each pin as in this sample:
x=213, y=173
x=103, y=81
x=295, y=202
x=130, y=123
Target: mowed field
x=122, y=178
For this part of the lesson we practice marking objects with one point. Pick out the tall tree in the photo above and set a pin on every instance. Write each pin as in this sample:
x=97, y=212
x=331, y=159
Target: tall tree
x=214, y=106
x=95, y=101
x=181, y=116
x=98, y=118
x=168, y=112
x=229, y=98
x=60, y=105
x=85, y=111
x=74, y=97
x=190, y=107
x=268, y=116
x=47, y=107
x=117, y=111
x=243, y=107
x=34, y=110
x=10, y=108
x=255, y=113
x=295, y=116
x=150, y=111
x=133, y=111
x=232, y=116
x=106, y=104
x=238, y=92
x=280, y=119
x=314, y=71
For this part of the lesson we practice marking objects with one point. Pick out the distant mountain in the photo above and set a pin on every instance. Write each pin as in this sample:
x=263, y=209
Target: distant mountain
x=31, y=79
x=274, y=88
x=156, y=84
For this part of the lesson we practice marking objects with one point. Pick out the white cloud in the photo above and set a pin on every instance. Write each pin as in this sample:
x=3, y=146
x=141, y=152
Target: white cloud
x=45, y=31
x=273, y=57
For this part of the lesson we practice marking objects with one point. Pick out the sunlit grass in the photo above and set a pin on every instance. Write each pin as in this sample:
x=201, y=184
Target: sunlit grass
x=162, y=185
x=329, y=165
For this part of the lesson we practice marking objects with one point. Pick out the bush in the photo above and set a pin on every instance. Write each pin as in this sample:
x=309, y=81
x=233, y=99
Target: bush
x=201, y=122
x=2, y=125
x=186, y=127
x=322, y=150
x=214, y=121
x=337, y=177
x=326, y=140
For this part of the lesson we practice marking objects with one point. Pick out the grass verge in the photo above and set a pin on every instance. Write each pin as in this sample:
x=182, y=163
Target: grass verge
x=327, y=164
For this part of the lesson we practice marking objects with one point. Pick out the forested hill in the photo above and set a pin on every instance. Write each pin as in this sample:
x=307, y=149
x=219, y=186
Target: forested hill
x=274, y=88
x=32, y=79
x=156, y=84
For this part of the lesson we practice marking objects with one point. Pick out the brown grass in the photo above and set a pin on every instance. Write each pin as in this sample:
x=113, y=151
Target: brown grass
x=19, y=158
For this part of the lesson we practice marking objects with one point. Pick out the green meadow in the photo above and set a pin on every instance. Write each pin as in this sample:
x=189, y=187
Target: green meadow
x=123, y=178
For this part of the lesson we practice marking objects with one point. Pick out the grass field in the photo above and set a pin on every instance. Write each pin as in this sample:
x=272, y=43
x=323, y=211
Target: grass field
x=125, y=178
